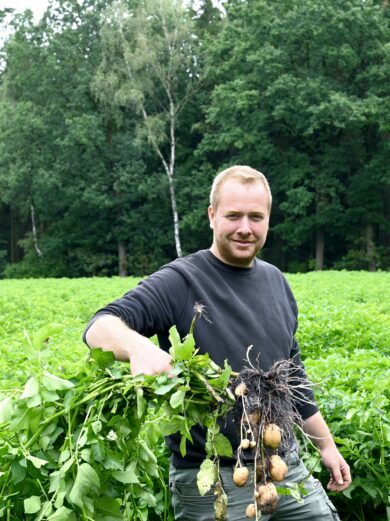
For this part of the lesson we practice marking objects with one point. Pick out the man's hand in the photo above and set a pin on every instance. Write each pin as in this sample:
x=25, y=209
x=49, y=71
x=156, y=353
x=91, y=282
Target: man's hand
x=111, y=334
x=149, y=359
x=340, y=475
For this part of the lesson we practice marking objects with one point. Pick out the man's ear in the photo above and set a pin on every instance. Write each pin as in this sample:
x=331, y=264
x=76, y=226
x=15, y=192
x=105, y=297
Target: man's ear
x=210, y=212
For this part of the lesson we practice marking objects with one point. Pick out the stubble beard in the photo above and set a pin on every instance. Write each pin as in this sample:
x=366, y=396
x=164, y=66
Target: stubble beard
x=230, y=252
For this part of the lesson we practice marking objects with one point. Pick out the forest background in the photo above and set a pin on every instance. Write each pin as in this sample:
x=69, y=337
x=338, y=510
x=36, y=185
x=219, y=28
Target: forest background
x=116, y=115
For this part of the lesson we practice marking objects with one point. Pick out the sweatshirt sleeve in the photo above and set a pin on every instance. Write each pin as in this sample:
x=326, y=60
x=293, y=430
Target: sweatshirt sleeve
x=304, y=396
x=153, y=306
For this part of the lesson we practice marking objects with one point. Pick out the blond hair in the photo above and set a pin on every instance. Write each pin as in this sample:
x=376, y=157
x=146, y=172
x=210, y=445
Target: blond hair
x=245, y=174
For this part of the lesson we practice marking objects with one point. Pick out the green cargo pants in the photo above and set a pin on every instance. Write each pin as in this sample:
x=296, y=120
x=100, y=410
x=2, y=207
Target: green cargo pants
x=188, y=505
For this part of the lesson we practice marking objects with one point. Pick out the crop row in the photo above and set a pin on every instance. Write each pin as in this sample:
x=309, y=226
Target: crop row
x=343, y=332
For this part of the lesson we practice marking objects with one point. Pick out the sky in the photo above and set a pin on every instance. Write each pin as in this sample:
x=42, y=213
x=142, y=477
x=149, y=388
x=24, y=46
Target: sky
x=37, y=6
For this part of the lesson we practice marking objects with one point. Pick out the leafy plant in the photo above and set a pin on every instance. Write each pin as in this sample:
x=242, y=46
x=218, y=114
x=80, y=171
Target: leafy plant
x=84, y=448
x=343, y=332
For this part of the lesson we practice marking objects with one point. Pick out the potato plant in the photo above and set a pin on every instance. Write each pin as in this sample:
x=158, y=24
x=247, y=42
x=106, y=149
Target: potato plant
x=81, y=448
x=84, y=448
x=344, y=330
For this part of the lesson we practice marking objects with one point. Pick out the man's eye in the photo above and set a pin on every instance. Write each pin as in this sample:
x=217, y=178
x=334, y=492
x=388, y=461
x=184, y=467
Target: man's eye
x=232, y=217
x=257, y=218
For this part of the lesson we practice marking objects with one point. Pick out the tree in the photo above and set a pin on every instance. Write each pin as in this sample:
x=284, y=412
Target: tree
x=52, y=135
x=148, y=64
x=293, y=97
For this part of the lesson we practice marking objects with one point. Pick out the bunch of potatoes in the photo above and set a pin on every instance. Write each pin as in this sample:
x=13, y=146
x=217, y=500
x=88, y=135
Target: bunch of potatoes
x=266, y=439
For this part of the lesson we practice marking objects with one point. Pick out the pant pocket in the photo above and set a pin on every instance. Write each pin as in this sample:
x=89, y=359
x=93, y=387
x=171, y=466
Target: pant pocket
x=332, y=509
x=188, y=504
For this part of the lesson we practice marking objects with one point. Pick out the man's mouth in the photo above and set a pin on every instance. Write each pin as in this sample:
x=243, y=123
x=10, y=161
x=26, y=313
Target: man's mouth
x=243, y=243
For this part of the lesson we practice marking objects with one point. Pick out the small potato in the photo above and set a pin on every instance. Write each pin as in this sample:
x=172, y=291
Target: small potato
x=245, y=443
x=259, y=470
x=251, y=511
x=277, y=468
x=240, y=476
x=254, y=417
x=252, y=444
x=272, y=436
x=241, y=389
x=267, y=498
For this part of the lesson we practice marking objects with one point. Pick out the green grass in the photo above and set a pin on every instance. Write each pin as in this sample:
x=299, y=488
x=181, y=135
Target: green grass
x=344, y=331
x=27, y=305
x=338, y=311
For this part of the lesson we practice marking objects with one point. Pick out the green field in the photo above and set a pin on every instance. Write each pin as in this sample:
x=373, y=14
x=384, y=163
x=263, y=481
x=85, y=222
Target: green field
x=344, y=335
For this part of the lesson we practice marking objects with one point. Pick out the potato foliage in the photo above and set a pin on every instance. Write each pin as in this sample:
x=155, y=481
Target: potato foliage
x=344, y=331
x=85, y=447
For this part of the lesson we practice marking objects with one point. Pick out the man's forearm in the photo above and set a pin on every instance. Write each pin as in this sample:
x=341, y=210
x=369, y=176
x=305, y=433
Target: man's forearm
x=111, y=334
x=318, y=431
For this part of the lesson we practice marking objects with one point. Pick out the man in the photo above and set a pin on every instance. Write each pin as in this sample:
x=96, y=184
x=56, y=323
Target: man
x=246, y=302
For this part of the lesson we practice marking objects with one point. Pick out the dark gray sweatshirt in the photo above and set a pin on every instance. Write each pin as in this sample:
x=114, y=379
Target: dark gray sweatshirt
x=243, y=307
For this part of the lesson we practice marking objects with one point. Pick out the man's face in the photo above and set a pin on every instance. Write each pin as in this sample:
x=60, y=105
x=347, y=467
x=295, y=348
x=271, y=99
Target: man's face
x=240, y=222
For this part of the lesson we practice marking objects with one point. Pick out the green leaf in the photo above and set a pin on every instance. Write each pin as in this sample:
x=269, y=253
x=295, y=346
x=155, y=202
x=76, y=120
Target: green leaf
x=29, y=350
x=37, y=462
x=222, y=381
x=61, y=495
x=185, y=350
x=386, y=432
x=171, y=426
x=141, y=402
x=49, y=396
x=43, y=334
x=46, y=510
x=350, y=489
x=6, y=409
x=165, y=388
x=223, y=446
x=31, y=388
x=103, y=359
x=32, y=505
x=177, y=399
x=86, y=479
x=175, y=341
x=55, y=481
x=18, y=469
x=109, y=507
x=372, y=491
x=54, y=383
x=24, y=418
x=207, y=476
x=183, y=445
x=149, y=499
x=291, y=489
x=31, y=393
x=125, y=476
x=113, y=460
x=97, y=426
x=146, y=454
x=62, y=514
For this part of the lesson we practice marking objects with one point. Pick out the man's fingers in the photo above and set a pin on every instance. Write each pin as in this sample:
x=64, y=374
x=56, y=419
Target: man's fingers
x=340, y=478
x=151, y=361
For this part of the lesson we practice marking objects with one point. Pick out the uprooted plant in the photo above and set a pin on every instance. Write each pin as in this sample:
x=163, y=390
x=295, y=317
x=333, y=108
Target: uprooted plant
x=85, y=448
x=266, y=415
x=266, y=411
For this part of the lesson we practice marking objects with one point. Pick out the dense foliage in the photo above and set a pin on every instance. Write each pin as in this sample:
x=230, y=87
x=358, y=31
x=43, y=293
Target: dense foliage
x=85, y=448
x=343, y=333
x=108, y=143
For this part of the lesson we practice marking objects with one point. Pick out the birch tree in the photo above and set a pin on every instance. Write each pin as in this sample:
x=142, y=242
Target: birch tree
x=149, y=64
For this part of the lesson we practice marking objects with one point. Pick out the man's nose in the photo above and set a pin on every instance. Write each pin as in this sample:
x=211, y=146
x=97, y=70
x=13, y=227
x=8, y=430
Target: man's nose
x=245, y=227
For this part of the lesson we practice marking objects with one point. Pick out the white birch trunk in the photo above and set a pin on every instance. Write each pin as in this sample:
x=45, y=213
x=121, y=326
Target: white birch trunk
x=34, y=232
